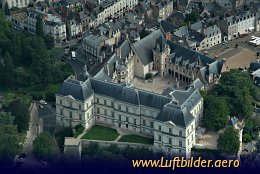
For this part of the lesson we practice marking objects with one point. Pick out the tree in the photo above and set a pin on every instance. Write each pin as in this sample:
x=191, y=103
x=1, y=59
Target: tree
x=42, y=146
x=20, y=111
x=216, y=112
x=247, y=138
x=10, y=143
x=39, y=26
x=49, y=41
x=228, y=142
x=192, y=17
x=6, y=75
x=6, y=118
x=238, y=89
x=7, y=11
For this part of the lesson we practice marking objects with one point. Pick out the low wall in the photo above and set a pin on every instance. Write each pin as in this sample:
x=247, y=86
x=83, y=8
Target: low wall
x=120, y=145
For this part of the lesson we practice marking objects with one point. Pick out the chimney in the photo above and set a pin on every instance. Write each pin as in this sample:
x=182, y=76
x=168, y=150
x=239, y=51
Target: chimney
x=168, y=36
x=118, y=53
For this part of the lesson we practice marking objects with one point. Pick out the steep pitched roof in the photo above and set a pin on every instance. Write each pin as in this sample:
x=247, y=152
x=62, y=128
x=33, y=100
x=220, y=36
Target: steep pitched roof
x=144, y=47
x=176, y=115
x=77, y=89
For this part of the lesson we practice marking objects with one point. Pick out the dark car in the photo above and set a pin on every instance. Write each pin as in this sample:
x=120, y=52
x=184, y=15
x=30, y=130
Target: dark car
x=23, y=155
x=257, y=54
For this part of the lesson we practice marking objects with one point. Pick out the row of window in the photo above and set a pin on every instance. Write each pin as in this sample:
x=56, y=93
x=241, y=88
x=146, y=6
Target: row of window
x=170, y=141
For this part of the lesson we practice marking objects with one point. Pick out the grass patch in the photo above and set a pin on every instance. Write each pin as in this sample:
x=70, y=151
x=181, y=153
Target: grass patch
x=136, y=139
x=101, y=133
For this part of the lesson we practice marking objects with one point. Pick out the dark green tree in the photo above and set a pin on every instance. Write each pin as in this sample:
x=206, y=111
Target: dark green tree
x=216, y=112
x=20, y=111
x=6, y=70
x=10, y=143
x=192, y=17
x=7, y=11
x=43, y=146
x=6, y=118
x=39, y=26
x=49, y=41
x=228, y=142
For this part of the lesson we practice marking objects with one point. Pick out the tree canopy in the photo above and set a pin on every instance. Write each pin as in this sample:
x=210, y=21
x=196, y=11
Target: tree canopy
x=22, y=117
x=10, y=142
x=42, y=146
x=6, y=118
x=238, y=89
x=216, y=112
x=228, y=142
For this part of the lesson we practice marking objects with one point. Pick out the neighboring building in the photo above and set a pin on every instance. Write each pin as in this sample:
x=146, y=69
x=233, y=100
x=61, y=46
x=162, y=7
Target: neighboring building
x=109, y=9
x=73, y=26
x=16, y=3
x=55, y=28
x=169, y=119
x=212, y=34
x=32, y=18
x=254, y=70
x=162, y=9
x=239, y=24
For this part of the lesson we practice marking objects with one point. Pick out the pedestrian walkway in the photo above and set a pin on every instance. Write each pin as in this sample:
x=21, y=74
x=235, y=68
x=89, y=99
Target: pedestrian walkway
x=118, y=138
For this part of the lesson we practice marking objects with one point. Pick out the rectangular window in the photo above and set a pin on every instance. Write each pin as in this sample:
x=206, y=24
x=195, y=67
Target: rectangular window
x=80, y=116
x=71, y=104
x=126, y=125
x=143, y=122
x=159, y=128
x=119, y=107
x=61, y=102
x=170, y=141
x=180, y=143
x=61, y=111
x=134, y=121
x=97, y=100
x=180, y=133
x=119, y=117
x=87, y=115
x=98, y=111
x=126, y=109
x=151, y=124
x=70, y=114
x=126, y=119
x=105, y=112
x=160, y=138
x=105, y=102
x=79, y=107
x=170, y=130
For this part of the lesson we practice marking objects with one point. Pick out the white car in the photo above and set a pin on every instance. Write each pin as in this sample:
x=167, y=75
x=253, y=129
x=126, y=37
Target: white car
x=43, y=102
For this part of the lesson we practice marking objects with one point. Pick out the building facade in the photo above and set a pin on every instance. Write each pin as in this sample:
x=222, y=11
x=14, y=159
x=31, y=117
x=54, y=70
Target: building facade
x=169, y=119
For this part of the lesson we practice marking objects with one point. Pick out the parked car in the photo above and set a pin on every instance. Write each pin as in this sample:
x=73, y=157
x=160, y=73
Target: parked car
x=44, y=163
x=41, y=107
x=23, y=155
x=43, y=102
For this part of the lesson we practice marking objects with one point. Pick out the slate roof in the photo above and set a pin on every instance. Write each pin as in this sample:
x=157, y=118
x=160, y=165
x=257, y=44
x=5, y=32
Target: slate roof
x=188, y=54
x=254, y=66
x=144, y=47
x=169, y=111
x=176, y=115
x=167, y=26
x=77, y=89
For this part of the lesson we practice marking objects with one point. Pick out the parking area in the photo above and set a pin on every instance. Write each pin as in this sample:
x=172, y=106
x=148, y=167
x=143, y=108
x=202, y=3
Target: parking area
x=158, y=84
x=242, y=59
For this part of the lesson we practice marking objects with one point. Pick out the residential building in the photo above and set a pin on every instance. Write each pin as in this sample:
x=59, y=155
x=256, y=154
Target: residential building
x=16, y=3
x=212, y=34
x=32, y=19
x=239, y=24
x=55, y=28
x=109, y=9
x=73, y=26
x=162, y=9
x=169, y=119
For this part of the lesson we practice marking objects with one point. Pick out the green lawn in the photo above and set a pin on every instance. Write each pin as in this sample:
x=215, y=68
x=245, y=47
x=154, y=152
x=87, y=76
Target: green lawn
x=136, y=139
x=101, y=133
